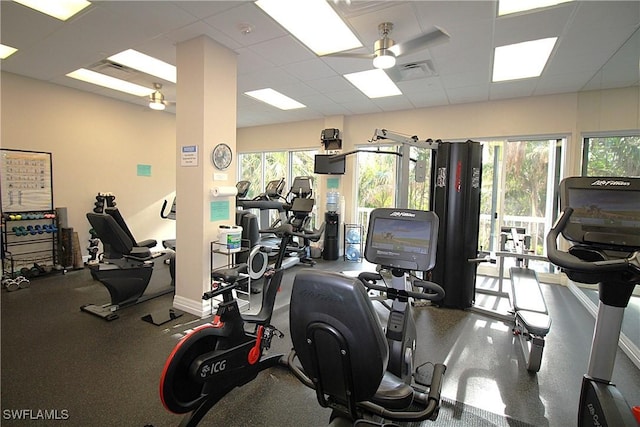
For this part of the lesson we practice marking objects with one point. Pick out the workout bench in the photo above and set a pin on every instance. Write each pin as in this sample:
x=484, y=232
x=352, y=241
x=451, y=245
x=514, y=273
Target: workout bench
x=532, y=321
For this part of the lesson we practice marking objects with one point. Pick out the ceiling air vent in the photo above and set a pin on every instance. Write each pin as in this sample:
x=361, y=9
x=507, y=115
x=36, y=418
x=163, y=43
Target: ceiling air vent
x=114, y=69
x=413, y=71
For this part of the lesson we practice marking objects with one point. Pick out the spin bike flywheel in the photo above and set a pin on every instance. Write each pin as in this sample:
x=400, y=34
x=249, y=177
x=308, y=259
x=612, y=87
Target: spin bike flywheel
x=178, y=391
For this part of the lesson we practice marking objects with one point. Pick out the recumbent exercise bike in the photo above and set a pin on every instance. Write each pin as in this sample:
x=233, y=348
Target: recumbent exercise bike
x=601, y=217
x=340, y=348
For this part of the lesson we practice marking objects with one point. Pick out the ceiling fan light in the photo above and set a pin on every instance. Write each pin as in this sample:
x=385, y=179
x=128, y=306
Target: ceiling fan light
x=384, y=59
x=158, y=106
x=156, y=101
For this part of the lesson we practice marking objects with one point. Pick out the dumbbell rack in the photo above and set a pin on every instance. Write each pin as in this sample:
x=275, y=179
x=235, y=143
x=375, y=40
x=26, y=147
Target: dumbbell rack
x=29, y=230
x=29, y=243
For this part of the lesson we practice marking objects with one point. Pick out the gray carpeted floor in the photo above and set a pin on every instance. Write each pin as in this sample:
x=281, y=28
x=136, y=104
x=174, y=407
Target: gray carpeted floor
x=96, y=373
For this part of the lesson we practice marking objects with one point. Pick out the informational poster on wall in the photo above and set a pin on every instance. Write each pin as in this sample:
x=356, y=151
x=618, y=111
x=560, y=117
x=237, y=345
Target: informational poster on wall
x=25, y=181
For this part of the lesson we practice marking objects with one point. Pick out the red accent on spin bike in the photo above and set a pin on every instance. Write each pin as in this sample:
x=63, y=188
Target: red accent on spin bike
x=636, y=413
x=254, y=353
x=216, y=322
x=170, y=358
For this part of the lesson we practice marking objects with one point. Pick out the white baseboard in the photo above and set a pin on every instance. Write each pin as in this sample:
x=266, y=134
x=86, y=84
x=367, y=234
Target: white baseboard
x=199, y=308
x=204, y=308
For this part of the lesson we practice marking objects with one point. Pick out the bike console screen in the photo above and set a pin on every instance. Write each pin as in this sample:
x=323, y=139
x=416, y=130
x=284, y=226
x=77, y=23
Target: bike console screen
x=402, y=238
x=606, y=211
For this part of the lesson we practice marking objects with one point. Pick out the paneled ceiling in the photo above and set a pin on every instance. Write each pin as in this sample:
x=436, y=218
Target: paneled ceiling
x=598, y=47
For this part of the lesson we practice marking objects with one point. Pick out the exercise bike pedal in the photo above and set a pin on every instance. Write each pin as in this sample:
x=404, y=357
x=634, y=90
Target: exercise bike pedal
x=268, y=333
x=424, y=374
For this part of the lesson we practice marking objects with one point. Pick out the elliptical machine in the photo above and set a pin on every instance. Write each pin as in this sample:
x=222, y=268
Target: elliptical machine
x=601, y=216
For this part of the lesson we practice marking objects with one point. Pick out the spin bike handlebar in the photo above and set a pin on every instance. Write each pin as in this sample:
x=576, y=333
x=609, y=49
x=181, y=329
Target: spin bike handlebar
x=573, y=263
x=435, y=291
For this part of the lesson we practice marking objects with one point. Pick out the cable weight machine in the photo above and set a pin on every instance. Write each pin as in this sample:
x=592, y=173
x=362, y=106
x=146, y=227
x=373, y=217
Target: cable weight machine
x=456, y=174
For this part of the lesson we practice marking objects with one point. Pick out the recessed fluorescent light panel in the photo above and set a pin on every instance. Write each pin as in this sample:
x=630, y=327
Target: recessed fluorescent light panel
x=275, y=98
x=374, y=83
x=60, y=9
x=521, y=60
x=6, y=51
x=145, y=63
x=314, y=23
x=506, y=7
x=110, y=82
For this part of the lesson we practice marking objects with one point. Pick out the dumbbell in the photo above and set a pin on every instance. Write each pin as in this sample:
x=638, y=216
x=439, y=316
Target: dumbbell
x=22, y=282
x=20, y=231
x=10, y=284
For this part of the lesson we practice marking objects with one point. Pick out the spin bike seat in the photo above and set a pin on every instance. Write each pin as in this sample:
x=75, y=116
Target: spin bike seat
x=229, y=275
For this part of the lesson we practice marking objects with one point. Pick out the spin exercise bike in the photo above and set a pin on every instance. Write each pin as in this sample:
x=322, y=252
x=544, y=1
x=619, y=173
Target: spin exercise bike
x=217, y=357
x=339, y=346
x=601, y=217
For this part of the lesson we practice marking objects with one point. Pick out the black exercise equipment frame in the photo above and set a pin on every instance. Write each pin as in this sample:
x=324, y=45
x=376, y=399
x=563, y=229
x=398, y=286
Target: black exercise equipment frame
x=605, y=254
x=217, y=357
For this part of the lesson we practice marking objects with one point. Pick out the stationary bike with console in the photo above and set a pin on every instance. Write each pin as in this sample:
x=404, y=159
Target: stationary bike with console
x=217, y=357
x=340, y=348
x=402, y=241
x=601, y=217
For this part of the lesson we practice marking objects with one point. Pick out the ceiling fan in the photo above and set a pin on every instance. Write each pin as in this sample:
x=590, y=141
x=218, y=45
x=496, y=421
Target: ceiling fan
x=386, y=50
x=156, y=99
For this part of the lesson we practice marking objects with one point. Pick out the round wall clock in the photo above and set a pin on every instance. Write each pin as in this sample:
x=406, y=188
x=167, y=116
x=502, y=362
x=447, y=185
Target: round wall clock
x=221, y=156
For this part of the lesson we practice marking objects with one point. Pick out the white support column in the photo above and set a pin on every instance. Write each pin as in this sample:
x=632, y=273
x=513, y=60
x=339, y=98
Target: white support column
x=206, y=116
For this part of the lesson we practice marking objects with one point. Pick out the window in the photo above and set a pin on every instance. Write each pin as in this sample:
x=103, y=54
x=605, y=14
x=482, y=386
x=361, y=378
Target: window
x=519, y=186
x=376, y=180
x=260, y=168
x=250, y=169
x=611, y=156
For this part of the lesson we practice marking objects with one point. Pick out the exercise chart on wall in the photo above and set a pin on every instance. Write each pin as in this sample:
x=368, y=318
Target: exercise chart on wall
x=26, y=181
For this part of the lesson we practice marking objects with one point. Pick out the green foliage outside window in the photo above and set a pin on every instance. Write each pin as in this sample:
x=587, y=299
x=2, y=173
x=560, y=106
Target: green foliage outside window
x=612, y=156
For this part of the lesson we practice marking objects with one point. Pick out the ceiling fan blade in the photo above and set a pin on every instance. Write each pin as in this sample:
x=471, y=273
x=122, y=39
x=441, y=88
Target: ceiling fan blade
x=433, y=37
x=349, y=55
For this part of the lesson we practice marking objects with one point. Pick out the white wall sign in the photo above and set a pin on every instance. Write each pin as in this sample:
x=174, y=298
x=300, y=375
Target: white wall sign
x=189, y=155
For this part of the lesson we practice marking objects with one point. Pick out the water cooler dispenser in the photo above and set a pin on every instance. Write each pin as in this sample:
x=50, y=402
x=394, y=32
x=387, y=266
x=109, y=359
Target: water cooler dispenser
x=331, y=251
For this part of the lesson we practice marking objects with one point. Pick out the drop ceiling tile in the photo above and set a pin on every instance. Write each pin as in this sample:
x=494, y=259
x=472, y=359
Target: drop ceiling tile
x=562, y=83
x=250, y=62
x=205, y=9
x=430, y=98
x=198, y=29
x=393, y=103
x=311, y=69
x=466, y=94
x=152, y=20
x=272, y=77
x=230, y=22
x=512, y=89
x=330, y=84
x=362, y=107
x=15, y=32
x=345, y=96
x=283, y=51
